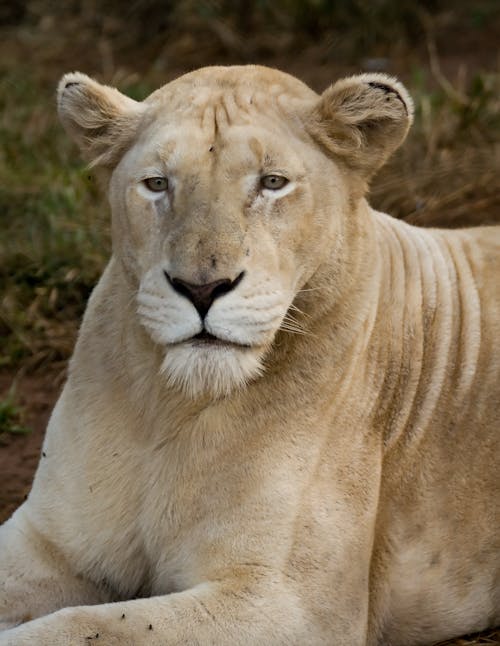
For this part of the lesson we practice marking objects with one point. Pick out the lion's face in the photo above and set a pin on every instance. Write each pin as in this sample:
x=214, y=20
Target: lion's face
x=224, y=206
x=221, y=220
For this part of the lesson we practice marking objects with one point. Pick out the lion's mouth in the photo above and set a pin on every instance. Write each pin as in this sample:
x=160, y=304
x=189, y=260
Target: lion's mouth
x=205, y=338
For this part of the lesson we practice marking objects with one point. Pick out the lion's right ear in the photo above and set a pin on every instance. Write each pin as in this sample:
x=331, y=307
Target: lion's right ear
x=101, y=120
x=362, y=119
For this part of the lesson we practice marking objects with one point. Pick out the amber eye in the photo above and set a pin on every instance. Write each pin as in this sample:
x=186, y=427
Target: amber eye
x=156, y=184
x=273, y=182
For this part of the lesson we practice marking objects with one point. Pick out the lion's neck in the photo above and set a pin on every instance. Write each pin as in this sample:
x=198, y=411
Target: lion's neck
x=428, y=327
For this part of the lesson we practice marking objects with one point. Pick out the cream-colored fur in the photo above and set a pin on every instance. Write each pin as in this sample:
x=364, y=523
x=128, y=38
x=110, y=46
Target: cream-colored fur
x=327, y=470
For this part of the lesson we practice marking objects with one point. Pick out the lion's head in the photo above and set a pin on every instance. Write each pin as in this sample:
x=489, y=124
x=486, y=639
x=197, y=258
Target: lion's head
x=229, y=188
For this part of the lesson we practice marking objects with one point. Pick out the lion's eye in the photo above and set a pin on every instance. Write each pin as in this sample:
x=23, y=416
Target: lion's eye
x=157, y=184
x=273, y=182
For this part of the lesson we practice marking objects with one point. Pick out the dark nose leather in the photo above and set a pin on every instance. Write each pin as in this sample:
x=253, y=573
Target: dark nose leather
x=202, y=296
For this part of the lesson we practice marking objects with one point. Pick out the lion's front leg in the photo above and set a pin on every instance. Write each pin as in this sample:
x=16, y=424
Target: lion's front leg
x=232, y=613
x=34, y=578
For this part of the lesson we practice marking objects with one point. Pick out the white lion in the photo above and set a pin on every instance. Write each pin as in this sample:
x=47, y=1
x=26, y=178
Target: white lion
x=281, y=422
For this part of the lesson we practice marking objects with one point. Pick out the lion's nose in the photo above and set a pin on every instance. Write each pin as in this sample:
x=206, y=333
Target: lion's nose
x=202, y=296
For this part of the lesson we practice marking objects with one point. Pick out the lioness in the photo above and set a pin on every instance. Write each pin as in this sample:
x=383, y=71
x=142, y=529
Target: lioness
x=281, y=421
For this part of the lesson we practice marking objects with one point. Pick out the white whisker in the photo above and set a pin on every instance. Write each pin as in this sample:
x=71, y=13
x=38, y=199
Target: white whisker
x=297, y=309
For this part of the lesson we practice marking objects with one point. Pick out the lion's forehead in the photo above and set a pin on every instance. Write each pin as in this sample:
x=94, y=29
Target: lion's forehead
x=227, y=118
x=207, y=113
x=215, y=101
x=216, y=137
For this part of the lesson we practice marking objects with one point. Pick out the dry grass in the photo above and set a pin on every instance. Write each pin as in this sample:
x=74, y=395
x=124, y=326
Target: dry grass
x=446, y=174
x=490, y=637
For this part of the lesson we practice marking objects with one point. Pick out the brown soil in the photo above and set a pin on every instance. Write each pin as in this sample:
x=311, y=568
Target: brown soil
x=19, y=454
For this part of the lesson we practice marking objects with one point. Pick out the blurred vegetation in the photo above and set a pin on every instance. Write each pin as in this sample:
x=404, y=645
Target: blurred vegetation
x=53, y=241
x=11, y=416
x=249, y=28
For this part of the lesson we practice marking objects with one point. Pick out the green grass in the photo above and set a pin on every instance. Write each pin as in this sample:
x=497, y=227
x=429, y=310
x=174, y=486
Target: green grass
x=53, y=226
x=11, y=416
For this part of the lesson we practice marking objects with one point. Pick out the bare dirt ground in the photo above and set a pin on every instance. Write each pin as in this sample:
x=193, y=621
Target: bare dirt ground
x=19, y=453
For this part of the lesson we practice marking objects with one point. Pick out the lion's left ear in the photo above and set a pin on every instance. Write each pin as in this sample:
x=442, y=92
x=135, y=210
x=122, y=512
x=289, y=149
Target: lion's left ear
x=101, y=120
x=362, y=119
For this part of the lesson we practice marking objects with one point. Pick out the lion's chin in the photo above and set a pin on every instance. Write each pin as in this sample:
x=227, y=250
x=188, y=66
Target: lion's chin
x=210, y=369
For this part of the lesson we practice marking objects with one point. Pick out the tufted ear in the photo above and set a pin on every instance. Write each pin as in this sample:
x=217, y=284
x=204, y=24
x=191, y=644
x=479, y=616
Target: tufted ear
x=363, y=119
x=101, y=120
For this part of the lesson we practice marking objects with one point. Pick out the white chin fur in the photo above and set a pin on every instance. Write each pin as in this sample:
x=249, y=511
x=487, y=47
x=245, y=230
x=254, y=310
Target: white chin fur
x=198, y=370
